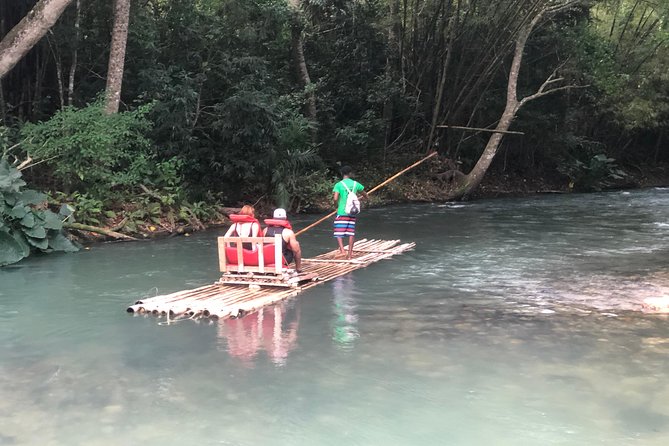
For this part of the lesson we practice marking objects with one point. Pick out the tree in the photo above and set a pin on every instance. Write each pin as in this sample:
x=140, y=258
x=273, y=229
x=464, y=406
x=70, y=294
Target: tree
x=28, y=32
x=465, y=184
x=117, y=55
x=297, y=43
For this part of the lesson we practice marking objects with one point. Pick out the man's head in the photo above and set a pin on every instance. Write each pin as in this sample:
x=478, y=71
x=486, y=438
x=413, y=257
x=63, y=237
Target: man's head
x=280, y=214
x=346, y=171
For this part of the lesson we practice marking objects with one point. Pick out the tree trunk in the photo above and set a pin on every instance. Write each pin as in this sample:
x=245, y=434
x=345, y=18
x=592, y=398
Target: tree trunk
x=658, y=144
x=28, y=32
x=297, y=43
x=3, y=104
x=75, y=54
x=59, y=74
x=472, y=180
x=117, y=55
x=442, y=84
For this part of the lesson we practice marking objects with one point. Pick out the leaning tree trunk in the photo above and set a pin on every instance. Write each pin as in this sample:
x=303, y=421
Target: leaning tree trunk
x=28, y=32
x=297, y=44
x=117, y=55
x=465, y=184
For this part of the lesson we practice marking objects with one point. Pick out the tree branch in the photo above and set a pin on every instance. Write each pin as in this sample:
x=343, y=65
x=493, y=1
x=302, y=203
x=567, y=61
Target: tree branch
x=562, y=7
x=547, y=92
x=543, y=89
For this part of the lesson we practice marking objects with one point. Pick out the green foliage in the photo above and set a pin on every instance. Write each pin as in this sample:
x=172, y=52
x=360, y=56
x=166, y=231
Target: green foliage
x=595, y=173
x=25, y=224
x=294, y=157
x=82, y=207
x=314, y=193
x=226, y=114
x=86, y=149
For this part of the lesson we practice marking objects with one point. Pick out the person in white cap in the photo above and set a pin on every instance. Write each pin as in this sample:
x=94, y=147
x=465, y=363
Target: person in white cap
x=291, y=247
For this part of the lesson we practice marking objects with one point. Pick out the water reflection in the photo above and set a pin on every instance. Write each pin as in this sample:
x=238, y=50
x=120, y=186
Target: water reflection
x=344, y=325
x=272, y=329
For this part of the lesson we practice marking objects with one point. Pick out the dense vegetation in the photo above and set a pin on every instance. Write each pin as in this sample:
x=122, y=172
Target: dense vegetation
x=232, y=100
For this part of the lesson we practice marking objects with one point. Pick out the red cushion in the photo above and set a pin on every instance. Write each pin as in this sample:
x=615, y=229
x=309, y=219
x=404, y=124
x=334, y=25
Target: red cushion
x=251, y=257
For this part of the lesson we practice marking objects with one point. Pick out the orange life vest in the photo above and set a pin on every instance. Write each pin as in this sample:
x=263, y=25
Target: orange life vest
x=241, y=218
x=278, y=222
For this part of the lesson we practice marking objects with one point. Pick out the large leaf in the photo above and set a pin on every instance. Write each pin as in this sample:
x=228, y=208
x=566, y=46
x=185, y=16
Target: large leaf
x=30, y=196
x=66, y=210
x=21, y=240
x=19, y=211
x=10, y=178
x=11, y=198
x=51, y=220
x=37, y=231
x=40, y=243
x=11, y=251
x=28, y=220
x=58, y=242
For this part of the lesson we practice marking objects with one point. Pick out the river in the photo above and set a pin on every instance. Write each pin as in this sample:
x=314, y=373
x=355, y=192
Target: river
x=513, y=322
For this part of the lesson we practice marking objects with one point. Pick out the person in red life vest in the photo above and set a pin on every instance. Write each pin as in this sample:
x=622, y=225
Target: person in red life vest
x=344, y=224
x=244, y=224
x=291, y=247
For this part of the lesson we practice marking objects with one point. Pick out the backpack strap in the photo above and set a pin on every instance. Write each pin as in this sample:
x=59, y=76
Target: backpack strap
x=347, y=189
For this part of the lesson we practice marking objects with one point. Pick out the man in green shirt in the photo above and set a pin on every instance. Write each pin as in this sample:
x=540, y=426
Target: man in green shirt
x=344, y=224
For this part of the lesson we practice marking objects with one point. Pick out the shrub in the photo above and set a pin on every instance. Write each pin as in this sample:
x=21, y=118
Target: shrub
x=86, y=149
x=25, y=224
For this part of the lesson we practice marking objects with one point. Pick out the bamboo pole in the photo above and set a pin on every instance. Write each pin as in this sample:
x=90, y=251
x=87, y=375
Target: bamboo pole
x=479, y=129
x=301, y=231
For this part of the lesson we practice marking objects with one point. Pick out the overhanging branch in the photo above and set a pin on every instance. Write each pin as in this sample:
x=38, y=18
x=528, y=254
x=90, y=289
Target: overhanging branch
x=544, y=88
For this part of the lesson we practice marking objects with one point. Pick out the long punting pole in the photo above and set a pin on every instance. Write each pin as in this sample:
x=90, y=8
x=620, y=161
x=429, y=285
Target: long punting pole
x=370, y=192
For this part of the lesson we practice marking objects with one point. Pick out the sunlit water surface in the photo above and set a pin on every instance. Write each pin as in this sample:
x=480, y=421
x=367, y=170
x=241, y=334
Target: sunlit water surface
x=512, y=323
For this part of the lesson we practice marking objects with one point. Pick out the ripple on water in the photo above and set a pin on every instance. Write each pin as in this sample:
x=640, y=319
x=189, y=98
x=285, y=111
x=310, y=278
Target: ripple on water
x=509, y=324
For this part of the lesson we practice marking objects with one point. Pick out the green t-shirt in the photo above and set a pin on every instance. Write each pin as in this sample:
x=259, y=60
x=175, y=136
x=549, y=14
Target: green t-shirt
x=343, y=193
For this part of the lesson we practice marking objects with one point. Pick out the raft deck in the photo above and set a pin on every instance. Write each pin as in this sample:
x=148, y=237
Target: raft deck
x=231, y=300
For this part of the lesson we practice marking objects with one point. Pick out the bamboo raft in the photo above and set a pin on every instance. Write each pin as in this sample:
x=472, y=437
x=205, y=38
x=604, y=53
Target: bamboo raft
x=236, y=295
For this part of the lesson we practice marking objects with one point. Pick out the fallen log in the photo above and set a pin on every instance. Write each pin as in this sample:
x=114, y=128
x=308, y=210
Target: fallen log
x=95, y=229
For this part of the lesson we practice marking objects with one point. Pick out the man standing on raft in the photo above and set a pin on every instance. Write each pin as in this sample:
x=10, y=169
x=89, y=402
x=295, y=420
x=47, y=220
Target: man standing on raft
x=344, y=224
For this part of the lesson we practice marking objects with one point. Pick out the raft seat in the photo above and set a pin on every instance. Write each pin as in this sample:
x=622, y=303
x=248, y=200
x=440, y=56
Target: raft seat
x=233, y=258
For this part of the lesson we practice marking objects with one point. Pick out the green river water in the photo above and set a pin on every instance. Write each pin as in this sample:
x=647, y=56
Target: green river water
x=513, y=322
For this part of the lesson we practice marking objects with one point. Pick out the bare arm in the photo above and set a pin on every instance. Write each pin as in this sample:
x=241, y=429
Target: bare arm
x=230, y=229
x=294, y=246
x=335, y=197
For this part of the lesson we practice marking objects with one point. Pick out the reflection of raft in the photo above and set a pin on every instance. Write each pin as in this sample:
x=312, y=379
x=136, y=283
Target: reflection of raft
x=240, y=293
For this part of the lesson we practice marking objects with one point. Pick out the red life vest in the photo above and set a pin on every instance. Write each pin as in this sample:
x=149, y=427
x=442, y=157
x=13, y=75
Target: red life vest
x=278, y=222
x=241, y=218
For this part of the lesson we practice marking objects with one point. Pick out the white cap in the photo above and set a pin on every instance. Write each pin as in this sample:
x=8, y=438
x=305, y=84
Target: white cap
x=280, y=213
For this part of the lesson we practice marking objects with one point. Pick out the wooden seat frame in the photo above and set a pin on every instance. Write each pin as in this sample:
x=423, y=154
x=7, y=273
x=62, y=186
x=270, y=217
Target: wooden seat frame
x=258, y=243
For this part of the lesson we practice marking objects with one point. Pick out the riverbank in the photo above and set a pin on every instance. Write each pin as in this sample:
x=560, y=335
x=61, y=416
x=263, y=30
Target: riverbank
x=422, y=186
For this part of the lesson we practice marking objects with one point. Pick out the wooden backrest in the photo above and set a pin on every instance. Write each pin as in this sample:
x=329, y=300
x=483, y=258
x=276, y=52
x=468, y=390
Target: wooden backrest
x=267, y=256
